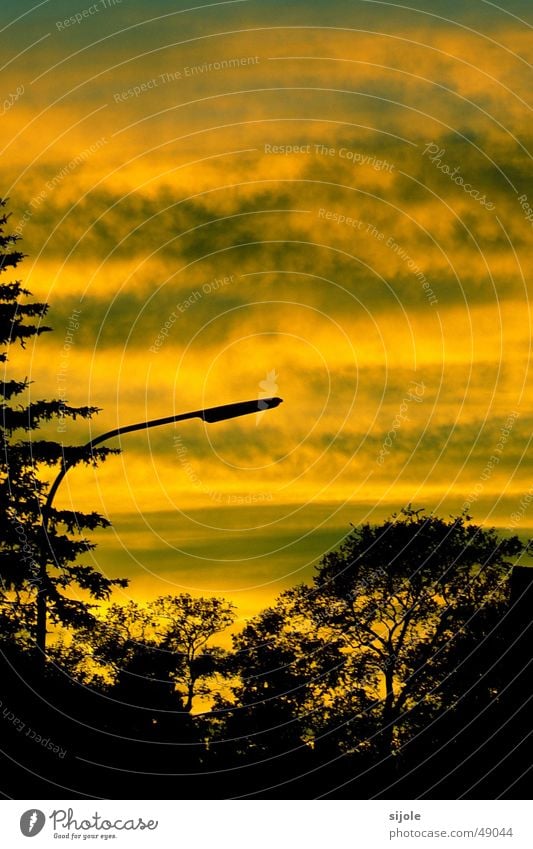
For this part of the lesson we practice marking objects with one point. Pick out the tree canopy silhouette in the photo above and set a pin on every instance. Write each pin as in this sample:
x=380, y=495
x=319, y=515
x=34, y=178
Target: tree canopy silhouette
x=388, y=638
x=410, y=599
x=163, y=647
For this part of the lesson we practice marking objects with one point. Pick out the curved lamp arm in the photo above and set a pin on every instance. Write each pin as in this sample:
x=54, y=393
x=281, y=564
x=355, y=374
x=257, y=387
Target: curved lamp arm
x=210, y=415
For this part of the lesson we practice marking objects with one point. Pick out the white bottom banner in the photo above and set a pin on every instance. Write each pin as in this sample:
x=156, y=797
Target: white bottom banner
x=264, y=824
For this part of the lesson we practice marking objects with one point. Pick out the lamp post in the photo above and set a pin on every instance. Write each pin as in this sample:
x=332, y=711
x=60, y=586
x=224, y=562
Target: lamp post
x=209, y=415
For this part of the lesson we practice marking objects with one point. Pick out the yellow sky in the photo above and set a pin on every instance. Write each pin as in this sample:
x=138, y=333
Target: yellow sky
x=213, y=204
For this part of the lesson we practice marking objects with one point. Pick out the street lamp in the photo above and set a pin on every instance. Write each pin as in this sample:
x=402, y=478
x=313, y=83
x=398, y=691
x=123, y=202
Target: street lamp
x=209, y=415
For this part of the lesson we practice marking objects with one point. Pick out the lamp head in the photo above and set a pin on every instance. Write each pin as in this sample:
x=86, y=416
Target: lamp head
x=241, y=408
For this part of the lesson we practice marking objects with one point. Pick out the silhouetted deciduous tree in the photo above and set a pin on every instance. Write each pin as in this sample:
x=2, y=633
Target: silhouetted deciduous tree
x=388, y=649
x=411, y=599
x=185, y=626
x=163, y=648
x=296, y=702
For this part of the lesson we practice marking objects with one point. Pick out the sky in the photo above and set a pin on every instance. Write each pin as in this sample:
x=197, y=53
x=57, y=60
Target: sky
x=332, y=203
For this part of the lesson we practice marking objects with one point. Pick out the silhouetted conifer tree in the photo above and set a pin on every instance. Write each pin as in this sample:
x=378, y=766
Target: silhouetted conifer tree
x=38, y=559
